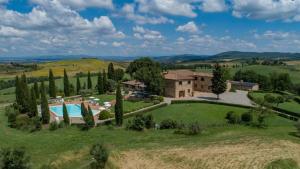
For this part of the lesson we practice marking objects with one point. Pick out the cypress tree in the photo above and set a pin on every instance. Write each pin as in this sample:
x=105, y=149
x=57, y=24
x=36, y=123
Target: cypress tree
x=52, y=87
x=89, y=81
x=100, y=84
x=83, y=111
x=66, y=115
x=44, y=105
x=111, y=71
x=119, y=106
x=78, y=86
x=18, y=91
x=33, y=108
x=218, y=81
x=66, y=84
x=91, y=117
x=36, y=90
x=24, y=94
x=104, y=81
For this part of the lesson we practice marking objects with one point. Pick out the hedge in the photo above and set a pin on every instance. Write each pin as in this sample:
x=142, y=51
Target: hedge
x=143, y=110
x=208, y=102
x=297, y=99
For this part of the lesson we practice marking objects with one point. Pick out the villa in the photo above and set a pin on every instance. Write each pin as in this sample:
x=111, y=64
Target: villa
x=184, y=83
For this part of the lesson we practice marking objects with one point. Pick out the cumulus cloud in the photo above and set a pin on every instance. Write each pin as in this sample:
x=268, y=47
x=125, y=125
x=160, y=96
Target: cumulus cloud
x=146, y=34
x=128, y=10
x=81, y=4
x=54, y=28
x=190, y=27
x=213, y=6
x=170, y=7
x=287, y=10
x=118, y=44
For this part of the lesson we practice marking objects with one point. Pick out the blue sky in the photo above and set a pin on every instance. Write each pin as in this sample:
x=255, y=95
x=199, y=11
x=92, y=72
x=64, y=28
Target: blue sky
x=147, y=27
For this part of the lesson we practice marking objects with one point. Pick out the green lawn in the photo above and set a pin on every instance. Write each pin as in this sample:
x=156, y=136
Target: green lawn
x=290, y=105
x=130, y=106
x=68, y=148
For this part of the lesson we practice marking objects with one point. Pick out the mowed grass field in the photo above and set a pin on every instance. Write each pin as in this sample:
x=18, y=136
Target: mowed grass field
x=72, y=67
x=226, y=147
x=290, y=105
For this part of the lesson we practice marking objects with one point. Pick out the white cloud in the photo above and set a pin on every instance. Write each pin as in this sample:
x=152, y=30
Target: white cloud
x=118, y=44
x=190, y=27
x=11, y=32
x=171, y=7
x=52, y=27
x=81, y=4
x=213, y=6
x=146, y=34
x=129, y=11
x=287, y=10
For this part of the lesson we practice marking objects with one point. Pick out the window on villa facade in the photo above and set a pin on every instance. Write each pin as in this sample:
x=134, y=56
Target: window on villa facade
x=202, y=87
x=180, y=82
x=196, y=78
x=202, y=79
x=189, y=91
x=189, y=82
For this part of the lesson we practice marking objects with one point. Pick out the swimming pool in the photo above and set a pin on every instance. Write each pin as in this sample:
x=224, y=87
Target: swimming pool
x=74, y=110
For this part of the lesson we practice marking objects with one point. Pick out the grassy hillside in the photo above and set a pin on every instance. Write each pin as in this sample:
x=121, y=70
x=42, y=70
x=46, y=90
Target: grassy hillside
x=69, y=147
x=72, y=67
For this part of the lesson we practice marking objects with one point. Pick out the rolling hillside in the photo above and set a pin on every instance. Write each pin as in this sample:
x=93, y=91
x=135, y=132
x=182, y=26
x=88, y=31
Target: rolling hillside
x=72, y=67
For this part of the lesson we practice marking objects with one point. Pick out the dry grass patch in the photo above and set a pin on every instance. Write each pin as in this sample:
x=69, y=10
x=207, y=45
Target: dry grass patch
x=248, y=154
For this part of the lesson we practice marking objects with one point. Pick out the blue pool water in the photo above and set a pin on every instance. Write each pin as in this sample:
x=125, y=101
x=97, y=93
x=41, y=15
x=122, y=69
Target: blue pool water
x=74, y=110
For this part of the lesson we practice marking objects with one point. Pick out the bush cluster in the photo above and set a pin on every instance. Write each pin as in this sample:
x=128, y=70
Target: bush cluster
x=140, y=122
x=55, y=125
x=168, y=124
x=105, y=115
x=234, y=118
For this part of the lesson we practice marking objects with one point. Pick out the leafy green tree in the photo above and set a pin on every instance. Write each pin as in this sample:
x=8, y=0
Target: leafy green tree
x=83, y=111
x=14, y=159
x=66, y=84
x=111, y=71
x=218, y=81
x=44, y=105
x=52, y=87
x=33, y=109
x=89, y=81
x=270, y=98
x=104, y=81
x=100, y=155
x=100, y=86
x=119, y=106
x=36, y=90
x=25, y=95
x=148, y=72
x=78, y=85
x=66, y=115
x=119, y=74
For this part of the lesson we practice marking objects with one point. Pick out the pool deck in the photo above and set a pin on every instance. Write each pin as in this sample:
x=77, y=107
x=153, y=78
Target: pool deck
x=74, y=120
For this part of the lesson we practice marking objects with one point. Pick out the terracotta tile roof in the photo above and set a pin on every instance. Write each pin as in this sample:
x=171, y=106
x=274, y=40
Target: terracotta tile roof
x=183, y=75
x=134, y=83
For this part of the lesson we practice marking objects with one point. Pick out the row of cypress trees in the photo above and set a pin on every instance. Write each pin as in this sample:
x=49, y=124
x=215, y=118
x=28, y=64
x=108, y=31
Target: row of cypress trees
x=26, y=99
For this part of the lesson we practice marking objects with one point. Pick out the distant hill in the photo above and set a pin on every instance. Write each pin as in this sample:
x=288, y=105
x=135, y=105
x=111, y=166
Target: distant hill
x=248, y=55
x=180, y=58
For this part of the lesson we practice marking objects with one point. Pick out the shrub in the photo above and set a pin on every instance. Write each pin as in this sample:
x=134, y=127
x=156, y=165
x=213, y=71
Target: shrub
x=247, y=117
x=194, y=129
x=168, y=124
x=100, y=155
x=61, y=124
x=36, y=124
x=156, y=101
x=232, y=117
x=53, y=126
x=104, y=115
x=137, y=123
x=149, y=122
x=23, y=121
x=14, y=159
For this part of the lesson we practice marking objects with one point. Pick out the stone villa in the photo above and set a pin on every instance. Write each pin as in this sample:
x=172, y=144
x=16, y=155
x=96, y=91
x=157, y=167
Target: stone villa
x=186, y=83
